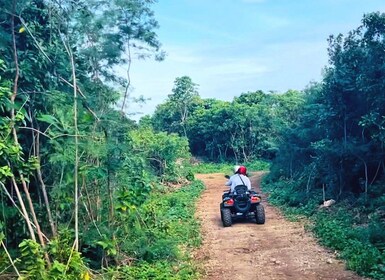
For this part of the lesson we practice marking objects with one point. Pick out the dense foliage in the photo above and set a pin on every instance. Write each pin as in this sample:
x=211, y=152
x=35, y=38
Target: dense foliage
x=239, y=131
x=335, y=150
x=82, y=185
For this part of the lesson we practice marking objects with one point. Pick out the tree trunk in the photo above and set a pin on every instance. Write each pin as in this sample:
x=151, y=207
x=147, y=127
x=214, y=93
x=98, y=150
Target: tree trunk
x=25, y=213
x=76, y=167
x=42, y=186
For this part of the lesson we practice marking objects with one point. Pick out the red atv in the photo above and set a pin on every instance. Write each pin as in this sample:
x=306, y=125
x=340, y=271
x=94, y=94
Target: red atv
x=241, y=203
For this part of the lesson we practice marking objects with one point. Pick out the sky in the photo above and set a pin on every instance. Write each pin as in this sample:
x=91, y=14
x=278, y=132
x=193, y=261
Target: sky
x=229, y=47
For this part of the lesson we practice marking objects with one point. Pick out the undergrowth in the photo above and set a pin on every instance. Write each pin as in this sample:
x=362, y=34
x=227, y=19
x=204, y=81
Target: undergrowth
x=162, y=247
x=151, y=241
x=354, y=229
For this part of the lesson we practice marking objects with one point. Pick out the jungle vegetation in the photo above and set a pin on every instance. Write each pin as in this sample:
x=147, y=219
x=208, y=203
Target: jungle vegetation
x=80, y=181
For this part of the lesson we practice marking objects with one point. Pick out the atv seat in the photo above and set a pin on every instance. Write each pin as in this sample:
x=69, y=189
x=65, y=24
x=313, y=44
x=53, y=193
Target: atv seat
x=240, y=190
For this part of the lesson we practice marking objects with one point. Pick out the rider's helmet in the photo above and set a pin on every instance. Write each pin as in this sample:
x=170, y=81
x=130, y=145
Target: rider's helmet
x=242, y=170
x=236, y=168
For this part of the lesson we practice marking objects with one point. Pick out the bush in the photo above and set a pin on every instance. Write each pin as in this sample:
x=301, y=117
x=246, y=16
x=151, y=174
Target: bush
x=360, y=257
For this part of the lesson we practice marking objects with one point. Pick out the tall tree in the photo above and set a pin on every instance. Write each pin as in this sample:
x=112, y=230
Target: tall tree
x=184, y=95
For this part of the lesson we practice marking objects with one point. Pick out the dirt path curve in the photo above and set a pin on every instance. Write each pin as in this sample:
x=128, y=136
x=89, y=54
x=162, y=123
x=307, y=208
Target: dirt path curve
x=279, y=249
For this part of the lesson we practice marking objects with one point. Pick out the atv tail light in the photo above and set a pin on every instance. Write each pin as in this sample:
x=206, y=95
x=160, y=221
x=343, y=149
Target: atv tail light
x=229, y=202
x=255, y=199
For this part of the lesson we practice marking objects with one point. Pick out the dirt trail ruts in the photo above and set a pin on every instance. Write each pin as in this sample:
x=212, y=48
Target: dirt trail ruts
x=279, y=249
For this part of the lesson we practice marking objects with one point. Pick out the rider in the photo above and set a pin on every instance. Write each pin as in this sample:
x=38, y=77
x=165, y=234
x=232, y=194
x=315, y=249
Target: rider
x=239, y=178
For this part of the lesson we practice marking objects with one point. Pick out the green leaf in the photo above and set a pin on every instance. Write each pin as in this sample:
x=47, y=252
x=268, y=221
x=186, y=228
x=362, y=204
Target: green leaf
x=49, y=119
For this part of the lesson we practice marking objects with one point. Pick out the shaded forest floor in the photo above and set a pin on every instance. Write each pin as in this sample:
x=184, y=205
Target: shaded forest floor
x=279, y=249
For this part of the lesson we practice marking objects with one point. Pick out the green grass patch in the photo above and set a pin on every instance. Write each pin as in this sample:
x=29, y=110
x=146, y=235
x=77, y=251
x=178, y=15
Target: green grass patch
x=227, y=168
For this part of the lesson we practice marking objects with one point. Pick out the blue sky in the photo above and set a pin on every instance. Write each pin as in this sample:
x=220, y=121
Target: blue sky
x=232, y=46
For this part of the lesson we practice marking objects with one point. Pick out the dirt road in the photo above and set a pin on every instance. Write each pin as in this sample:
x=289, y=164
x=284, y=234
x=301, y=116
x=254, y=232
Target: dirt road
x=279, y=249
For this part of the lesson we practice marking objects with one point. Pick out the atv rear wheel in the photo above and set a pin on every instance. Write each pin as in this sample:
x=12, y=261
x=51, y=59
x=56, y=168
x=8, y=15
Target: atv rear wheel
x=260, y=214
x=226, y=217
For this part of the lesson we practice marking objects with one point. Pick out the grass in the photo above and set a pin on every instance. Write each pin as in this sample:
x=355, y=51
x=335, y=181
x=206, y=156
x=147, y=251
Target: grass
x=227, y=168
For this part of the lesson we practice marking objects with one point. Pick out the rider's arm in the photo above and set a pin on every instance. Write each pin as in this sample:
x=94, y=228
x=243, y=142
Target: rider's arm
x=229, y=182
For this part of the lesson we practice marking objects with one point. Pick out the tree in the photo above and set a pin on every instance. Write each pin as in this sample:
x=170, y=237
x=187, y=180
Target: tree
x=183, y=98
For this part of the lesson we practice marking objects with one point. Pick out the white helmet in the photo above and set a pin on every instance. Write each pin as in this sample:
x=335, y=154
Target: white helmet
x=236, y=167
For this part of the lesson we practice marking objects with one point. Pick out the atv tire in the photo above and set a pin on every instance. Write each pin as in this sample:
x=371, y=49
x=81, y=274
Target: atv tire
x=226, y=217
x=260, y=214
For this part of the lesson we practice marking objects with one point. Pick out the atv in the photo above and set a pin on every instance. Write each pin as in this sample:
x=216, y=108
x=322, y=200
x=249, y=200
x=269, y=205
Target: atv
x=242, y=203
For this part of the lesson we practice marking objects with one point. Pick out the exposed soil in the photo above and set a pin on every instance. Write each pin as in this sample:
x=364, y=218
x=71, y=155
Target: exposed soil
x=279, y=249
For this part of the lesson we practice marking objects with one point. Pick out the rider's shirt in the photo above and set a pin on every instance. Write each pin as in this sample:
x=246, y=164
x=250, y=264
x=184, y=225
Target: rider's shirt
x=238, y=179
